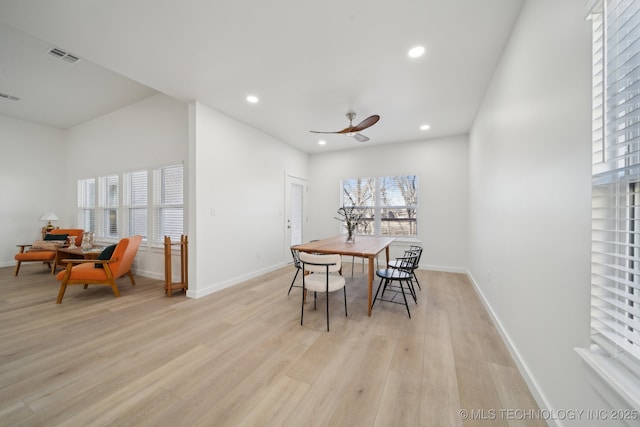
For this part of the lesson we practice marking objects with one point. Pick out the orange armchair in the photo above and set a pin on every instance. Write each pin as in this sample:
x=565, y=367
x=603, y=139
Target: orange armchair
x=45, y=255
x=84, y=272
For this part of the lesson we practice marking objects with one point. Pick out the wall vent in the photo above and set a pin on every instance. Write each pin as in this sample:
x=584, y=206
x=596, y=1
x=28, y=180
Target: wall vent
x=9, y=97
x=63, y=55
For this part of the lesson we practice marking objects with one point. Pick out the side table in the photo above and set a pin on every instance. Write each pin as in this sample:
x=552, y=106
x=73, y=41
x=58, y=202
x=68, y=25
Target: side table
x=75, y=253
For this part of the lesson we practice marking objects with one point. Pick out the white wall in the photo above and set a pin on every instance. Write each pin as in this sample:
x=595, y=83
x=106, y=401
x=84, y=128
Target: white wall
x=32, y=168
x=529, y=214
x=236, y=200
x=149, y=133
x=442, y=169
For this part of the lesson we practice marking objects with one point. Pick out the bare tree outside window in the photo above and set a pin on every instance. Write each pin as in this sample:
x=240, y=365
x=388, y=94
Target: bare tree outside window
x=388, y=204
x=360, y=194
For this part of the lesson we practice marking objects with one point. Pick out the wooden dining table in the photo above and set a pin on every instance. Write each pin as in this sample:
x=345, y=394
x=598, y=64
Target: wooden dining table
x=364, y=247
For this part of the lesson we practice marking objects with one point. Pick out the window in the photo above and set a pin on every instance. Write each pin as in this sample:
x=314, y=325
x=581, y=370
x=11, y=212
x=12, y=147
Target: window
x=388, y=204
x=615, y=272
x=133, y=204
x=169, y=209
x=87, y=204
x=107, y=212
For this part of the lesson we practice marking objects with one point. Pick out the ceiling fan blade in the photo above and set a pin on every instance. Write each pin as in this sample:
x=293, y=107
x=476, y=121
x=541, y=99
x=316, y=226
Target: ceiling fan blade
x=353, y=130
x=360, y=137
x=369, y=121
x=346, y=130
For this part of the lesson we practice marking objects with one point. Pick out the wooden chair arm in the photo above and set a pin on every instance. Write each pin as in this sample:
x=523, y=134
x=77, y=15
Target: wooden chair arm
x=22, y=247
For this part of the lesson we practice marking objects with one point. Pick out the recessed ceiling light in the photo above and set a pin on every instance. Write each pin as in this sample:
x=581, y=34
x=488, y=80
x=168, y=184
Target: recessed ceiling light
x=416, y=52
x=252, y=99
x=322, y=142
x=425, y=127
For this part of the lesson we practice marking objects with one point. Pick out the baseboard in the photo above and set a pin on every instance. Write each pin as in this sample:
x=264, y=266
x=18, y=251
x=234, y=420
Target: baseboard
x=444, y=269
x=215, y=287
x=149, y=274
x=7, y=264
x=535, y=389
x=234, y=281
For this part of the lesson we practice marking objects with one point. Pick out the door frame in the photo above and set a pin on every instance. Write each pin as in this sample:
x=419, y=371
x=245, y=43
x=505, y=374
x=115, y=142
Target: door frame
x=291, y=179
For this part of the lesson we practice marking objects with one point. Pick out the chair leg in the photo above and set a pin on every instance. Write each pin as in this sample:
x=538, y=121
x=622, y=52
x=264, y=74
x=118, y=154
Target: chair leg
x=345, y=300
x=133, y=281
x=353, y=262
x=304, y=291
x=412, y=290
x=406, y=304
x=376, y=296
x=327, y=298
x=384, y=288
x=294, y=280
x=15, y=273
x=63, y=287
x=115, y=289
x=416, y=277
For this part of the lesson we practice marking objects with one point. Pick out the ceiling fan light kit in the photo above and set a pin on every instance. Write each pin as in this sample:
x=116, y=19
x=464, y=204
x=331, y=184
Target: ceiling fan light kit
x=354, y=131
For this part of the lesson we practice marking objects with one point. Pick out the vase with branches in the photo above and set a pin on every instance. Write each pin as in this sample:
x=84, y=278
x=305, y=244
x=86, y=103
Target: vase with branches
x=351, y=219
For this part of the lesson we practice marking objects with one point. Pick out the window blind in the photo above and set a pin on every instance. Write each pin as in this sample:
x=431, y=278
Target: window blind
x=135, y=186
x=361, y=194
x=116, y=206
x=87, y=204
x=615, y=266
x=107, y=211
x=169, y=199
x=398, y=201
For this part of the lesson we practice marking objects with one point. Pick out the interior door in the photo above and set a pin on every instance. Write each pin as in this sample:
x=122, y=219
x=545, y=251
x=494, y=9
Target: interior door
x=295, y=218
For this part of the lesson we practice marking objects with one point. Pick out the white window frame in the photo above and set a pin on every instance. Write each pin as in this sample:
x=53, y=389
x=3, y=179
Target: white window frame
x=168, y=199
x=367, y=197
x=135, y=200
x=124, y=203
x=108, y=220
x=614, y=353
x=87, y=204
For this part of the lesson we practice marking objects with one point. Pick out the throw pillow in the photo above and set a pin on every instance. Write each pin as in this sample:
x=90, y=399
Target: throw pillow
x=50, y=236
x=106, y=254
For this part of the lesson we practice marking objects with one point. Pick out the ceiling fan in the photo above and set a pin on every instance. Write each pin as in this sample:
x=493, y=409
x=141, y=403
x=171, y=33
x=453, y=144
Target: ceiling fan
x=354, y=131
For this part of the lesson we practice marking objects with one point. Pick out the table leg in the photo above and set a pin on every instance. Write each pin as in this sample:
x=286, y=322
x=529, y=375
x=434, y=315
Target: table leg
x=371, y=261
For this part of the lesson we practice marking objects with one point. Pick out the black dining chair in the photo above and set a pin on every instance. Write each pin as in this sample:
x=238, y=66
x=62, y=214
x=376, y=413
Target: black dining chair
x=296, y=262
x=413, y=250
x=395, y=280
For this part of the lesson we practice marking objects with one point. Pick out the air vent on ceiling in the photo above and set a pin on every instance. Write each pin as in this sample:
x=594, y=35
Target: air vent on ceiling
x=65, y=56
x=9, y=97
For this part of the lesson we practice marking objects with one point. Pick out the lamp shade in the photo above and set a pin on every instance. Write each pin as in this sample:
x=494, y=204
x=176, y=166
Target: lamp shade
x=49, y=216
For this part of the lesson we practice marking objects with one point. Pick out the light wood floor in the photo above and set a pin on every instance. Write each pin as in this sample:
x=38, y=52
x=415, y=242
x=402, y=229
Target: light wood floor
x=240, y=357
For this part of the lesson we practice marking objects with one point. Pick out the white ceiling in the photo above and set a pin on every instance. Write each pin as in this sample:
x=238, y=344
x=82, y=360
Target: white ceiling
x=309, y=62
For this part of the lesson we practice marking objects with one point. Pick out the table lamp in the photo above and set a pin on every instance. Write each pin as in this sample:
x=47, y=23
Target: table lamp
x=49, y=216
